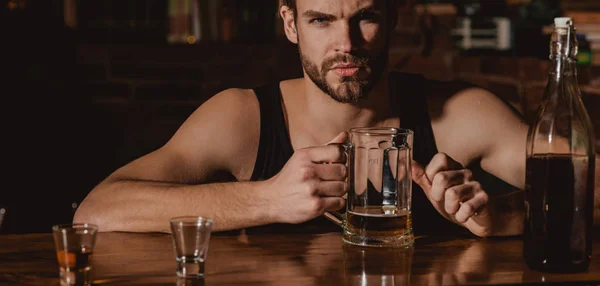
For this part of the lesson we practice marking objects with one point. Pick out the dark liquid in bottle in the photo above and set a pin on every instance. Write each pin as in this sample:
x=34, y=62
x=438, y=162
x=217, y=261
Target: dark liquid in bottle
x=558, y=225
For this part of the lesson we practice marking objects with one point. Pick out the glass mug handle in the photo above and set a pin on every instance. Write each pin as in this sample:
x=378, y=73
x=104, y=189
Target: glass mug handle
x=335, y=216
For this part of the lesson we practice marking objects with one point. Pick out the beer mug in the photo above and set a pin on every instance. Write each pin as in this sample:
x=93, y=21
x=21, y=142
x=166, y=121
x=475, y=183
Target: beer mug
x=378, y=206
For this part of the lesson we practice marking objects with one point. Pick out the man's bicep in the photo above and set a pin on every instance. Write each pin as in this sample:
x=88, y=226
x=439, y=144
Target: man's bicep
x=185, y=159
x=222, y=135
x=162, y=166
x=478, y=126
x=213, y=141
x=506, y=143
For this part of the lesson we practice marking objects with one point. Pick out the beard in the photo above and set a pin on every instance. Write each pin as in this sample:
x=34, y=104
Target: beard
x=351, y=88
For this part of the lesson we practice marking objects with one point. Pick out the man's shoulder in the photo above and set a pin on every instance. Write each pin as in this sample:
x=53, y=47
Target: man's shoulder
x=462, y=98
x=234, y=95
x=460, y=93
x=237, y=106
x=234, y=101
x=465, y=100
x=243, y=95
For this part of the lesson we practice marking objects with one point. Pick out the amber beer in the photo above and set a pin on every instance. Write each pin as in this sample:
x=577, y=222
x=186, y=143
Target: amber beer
x=373, y=221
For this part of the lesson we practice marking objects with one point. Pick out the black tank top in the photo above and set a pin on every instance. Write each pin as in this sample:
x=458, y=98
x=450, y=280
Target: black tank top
x=408, y=94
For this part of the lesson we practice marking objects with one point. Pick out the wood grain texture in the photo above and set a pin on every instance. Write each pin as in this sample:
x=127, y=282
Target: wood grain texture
x=306, y=259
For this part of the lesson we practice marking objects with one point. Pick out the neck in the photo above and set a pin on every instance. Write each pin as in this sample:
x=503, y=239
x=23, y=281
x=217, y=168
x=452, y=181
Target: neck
x=333, y=117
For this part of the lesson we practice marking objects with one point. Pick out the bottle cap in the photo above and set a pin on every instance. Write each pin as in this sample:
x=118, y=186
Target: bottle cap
x=561, y=22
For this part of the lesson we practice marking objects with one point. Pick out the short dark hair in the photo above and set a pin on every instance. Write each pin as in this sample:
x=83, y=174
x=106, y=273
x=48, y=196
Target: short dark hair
x=392, y=6
x=290, y=4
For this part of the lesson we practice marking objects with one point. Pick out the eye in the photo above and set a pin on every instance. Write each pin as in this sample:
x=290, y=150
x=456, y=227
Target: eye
x=319, y=21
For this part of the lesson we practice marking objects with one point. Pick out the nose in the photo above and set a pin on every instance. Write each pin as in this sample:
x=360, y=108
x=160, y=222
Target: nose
x=347, y=37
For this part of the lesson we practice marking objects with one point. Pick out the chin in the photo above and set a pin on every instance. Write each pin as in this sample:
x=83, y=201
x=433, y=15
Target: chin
x=348, y=92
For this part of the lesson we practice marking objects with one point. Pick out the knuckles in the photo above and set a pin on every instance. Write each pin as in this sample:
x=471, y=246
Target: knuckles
x=468, y=208
x=307, y=173
x=468, y=175
x=445, y=162
x=338, y=152
x=441, y=159
x=452, y=195
x=484, y=197
x=302, y=154
x=343, y=171
x=316, y=207
x=441, y=178
x=476, y=186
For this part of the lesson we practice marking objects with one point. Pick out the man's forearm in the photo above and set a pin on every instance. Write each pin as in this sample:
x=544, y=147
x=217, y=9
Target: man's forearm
x=142, y=206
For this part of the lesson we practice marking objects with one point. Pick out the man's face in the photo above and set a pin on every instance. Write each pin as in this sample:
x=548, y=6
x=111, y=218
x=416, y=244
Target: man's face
x=343, y=45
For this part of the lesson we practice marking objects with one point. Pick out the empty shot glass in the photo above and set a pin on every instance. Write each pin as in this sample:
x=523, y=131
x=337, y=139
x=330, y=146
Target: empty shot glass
x=191, y=236
x=74, y=244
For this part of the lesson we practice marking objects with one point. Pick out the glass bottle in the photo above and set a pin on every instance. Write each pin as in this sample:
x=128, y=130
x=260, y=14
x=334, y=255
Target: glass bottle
x=559, y=182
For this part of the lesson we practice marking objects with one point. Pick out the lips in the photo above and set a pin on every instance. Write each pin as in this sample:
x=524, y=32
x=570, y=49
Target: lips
x=345, y=70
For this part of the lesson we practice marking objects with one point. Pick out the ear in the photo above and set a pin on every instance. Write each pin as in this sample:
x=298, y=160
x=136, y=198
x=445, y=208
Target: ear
x=289, y=24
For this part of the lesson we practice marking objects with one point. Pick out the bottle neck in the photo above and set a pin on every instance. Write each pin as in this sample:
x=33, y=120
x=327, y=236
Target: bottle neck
x=563, y=68
x=563, y=53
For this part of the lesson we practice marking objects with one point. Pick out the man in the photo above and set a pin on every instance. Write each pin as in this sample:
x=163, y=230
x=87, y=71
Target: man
x=274, y=139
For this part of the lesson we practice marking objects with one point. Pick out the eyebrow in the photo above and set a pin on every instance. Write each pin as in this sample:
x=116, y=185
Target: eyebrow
x=317, y=14
x=372, y=10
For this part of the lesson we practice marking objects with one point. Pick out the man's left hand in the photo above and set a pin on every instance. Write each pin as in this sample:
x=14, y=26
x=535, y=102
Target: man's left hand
x=453, y=192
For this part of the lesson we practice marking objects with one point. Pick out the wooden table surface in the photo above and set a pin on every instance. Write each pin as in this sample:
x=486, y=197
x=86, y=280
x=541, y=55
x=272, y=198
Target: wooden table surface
x=292, y=259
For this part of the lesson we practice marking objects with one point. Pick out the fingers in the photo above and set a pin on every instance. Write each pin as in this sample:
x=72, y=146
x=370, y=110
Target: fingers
x=446, y=179
x=331, y=188
x=333, y=153
x=442, y=180
x=450, y=187
x=419, y=176
x=471, y=207
x=332, y=203
x=441, y=162
x=460, y=196
x=331, y=172
x=456, y=195
x=342, y=137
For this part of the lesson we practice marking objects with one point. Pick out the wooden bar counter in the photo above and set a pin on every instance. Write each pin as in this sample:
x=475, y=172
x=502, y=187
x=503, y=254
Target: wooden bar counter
x=289, y=259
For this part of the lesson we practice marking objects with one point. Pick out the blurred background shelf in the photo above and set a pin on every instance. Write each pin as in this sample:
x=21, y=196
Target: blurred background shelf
x=95, y=84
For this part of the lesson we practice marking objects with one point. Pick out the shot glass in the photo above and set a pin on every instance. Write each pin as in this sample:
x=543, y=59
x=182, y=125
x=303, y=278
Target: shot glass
x=74, y=244
x=191, y=236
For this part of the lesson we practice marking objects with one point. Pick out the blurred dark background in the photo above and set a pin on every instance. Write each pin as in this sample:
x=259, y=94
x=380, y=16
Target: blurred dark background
x=90, y=85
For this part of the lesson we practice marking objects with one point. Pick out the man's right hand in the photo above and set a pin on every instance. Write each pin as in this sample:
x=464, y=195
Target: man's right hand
x=312, y=182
